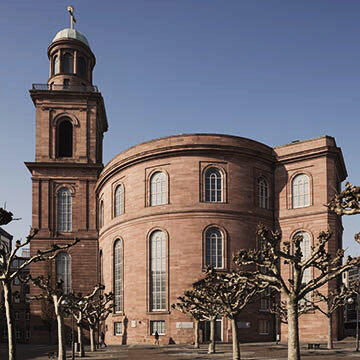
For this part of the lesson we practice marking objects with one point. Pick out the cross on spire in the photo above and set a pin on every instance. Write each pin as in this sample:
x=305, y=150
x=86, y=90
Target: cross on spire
x=70, y=9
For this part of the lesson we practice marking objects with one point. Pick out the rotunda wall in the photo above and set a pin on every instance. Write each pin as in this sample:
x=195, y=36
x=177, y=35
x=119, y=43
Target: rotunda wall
x=184, y=219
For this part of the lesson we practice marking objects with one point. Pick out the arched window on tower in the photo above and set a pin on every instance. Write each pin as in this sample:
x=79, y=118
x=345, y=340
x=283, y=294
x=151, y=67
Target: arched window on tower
x=263, y=193
x=101, y=268
x=119, y=200
x=214, y=248
x=56, y=65
x=300, y=191
x=65, y=138
x=63, y=271
x=81, y=67
x=158, y=271
x=158, y=189
x=213, y=185
x=118, y=275
x=68, y=63
x=64, y=213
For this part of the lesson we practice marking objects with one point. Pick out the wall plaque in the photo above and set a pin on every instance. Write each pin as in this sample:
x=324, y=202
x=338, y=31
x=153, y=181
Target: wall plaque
x=184, y=325
x=243, y=324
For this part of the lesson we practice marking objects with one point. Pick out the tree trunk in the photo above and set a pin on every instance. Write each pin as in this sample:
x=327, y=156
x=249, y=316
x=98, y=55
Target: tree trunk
x=10, y=327
x=61, y=335
x=92, y=338
x=293, y=330
x=330, y=344
x=212, y=337
x=80, y=339
x=235, y=340
x=196, y=334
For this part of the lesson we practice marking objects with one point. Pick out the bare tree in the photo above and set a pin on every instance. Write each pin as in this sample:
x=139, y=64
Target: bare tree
x=48, y=316
x=233, y=292
x=98, y=310
x=187, y=304
x=335, y=299
x=203, y=302
x=293, y=289
x=8, y=272
x=77, y=305
x=347, y=202
x=56, y=295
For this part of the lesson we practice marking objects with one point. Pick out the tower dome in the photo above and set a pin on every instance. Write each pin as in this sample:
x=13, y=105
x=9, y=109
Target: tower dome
x=71, y=60
x=70, y=34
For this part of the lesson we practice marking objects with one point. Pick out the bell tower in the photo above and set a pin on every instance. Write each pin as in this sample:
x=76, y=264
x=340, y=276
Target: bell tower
x=70, y=123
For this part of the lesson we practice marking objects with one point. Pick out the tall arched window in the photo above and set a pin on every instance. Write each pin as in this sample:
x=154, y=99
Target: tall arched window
x=64, y=213
x=305, y=247
x=101, y=214
x=157, y=271
x=118, y=275
x=63, y=271
x=101, y=267
x=158, y=189
x=214, y=248
x=119, y=200
x=65, y=138
x=68, y=63
x=56, y=65
x=81, y=67
x=300, y=191
x=263, y=193
x=213, y=185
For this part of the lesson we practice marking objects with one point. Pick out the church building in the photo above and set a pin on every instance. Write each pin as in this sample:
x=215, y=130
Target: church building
x=152, y=219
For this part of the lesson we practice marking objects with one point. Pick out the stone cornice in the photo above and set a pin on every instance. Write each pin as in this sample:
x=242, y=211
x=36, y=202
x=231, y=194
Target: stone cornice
x=310, y=214
x=186, y=214
x=62, y=165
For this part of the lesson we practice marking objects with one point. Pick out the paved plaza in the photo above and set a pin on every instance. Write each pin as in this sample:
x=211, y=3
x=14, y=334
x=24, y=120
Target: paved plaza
x=259, y=351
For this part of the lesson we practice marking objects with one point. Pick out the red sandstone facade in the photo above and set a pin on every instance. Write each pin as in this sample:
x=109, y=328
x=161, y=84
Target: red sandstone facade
x=184, y=215
x=69, y=98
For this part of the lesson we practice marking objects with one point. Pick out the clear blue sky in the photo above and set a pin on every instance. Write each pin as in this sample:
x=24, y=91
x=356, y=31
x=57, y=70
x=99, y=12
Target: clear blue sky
x=270, y=70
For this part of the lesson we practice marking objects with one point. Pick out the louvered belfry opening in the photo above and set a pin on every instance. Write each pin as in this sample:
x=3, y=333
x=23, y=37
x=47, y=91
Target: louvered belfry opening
x=65, y=139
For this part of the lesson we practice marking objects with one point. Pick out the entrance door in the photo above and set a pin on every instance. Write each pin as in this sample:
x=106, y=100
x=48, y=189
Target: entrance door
x=218, y=330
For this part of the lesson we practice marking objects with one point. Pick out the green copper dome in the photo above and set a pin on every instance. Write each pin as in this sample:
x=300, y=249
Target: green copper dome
x=71, y=34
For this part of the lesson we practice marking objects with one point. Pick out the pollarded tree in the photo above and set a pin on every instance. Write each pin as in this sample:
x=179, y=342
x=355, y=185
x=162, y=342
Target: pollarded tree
x=347, y=202
x=333, y=300
x=205, y=306
x=98, y=310
x=293, y=289
x=188, y=304
x=77, y=305
x=233, y=292
x=55, y=294
x=48, y=316
x=8, y=272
